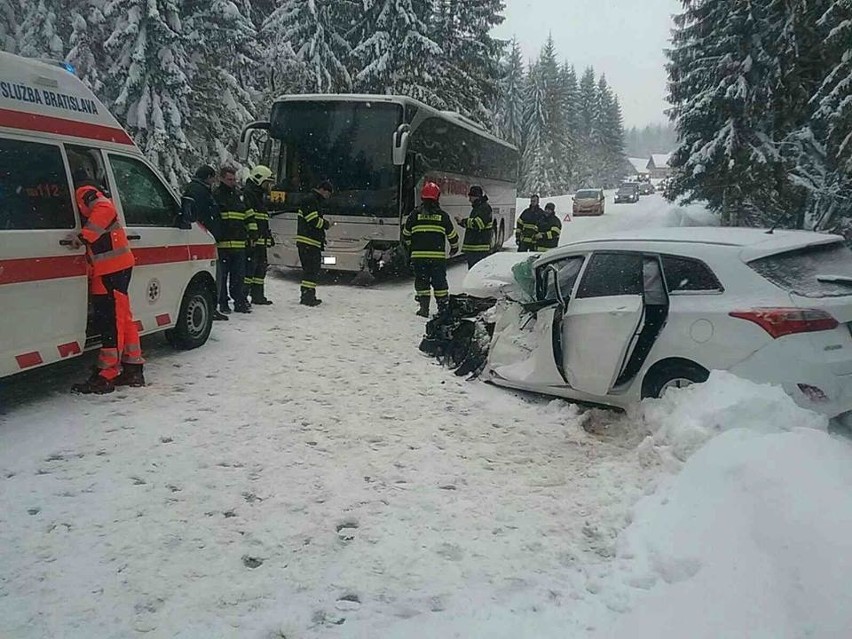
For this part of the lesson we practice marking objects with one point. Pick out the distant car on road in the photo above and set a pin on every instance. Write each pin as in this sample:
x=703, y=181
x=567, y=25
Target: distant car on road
x=646, y=188
x=627, y=192
x=589, y=202
x=622, y=317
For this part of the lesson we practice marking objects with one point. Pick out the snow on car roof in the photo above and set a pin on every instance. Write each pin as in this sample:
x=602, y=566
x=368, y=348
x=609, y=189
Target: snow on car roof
x=755, y=243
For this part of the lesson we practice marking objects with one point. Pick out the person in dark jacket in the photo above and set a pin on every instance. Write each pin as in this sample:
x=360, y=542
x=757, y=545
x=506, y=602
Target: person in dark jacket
x=425, y=234
x=232, y=243
x=478, y=227
x=549, y=229
x=310, y=240
x=257, y=186
x=527, y=226
x=199, y=205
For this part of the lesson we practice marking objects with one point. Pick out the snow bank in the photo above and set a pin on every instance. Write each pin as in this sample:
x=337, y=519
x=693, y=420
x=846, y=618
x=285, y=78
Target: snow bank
x=751, y=538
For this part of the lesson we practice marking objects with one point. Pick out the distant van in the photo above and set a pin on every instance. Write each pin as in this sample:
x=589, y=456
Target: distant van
x=50, y=125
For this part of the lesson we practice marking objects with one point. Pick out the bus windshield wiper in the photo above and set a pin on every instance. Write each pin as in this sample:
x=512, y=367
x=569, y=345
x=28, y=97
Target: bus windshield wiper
x=835, y=279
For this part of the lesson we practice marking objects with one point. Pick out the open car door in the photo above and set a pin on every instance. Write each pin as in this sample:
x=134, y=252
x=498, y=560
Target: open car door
x=599, y=325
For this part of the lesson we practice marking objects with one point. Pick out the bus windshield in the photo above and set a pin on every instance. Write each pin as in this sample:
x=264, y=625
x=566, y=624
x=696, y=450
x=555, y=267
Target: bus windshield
x=347, y=142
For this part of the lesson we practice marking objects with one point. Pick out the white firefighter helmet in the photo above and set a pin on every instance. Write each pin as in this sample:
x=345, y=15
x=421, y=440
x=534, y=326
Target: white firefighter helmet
x=260, y=174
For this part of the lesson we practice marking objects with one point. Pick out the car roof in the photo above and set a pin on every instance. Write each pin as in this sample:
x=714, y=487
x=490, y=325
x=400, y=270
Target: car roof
x=750, y=243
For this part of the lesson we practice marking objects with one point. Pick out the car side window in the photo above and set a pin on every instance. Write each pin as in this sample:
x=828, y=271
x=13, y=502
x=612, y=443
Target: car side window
x=144, y=199
x=34, y=190
x=569, y=268
x=684, y=274
x=610, y=274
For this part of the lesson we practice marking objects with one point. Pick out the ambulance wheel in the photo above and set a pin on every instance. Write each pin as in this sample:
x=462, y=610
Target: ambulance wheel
x=195, y=320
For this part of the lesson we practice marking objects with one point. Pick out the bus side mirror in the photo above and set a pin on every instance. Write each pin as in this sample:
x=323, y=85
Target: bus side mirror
x=400, y=144
x=244, y=143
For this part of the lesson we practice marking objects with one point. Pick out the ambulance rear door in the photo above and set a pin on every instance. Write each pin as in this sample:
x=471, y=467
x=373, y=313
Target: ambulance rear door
x=162, y=250
x=43, y=280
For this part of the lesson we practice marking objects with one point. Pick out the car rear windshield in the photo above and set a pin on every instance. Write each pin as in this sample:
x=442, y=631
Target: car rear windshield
x=808, y=271
x=628, y=186
x=587, y=195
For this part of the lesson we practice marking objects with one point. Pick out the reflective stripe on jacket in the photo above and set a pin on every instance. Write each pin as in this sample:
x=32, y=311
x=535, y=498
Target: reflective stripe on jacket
x=478, y=228
x=235, y=222
x=549, y=229
x=107, y=248
x=256, y=204
x=310, y=224
x=527, y=226
x=427, y=231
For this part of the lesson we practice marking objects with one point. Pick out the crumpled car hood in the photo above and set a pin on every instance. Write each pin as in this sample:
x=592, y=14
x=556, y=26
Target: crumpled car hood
x=502, y=275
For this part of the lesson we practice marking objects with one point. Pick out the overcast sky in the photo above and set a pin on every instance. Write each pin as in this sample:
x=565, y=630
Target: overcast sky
x=623, y=39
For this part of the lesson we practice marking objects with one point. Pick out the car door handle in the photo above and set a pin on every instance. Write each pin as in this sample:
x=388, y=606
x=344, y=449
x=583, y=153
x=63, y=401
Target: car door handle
x=65, y=242
x=134, y=237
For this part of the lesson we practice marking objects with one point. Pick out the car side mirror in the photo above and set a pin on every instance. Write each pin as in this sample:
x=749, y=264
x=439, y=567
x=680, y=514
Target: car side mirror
x=555, y=274
x=400, y=144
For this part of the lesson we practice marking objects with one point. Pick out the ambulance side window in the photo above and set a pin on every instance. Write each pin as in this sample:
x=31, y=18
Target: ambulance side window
x=33, y=187
x=144, y=199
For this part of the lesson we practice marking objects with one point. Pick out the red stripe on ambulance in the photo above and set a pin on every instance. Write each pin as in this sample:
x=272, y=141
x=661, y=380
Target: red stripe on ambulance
x=61, y=126
x=163, y=320
x=138, y=325
x=35, y=269
x=27, y=360
x=71, y=348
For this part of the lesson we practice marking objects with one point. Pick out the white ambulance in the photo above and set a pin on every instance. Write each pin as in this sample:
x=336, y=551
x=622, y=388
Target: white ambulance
x=50, y=125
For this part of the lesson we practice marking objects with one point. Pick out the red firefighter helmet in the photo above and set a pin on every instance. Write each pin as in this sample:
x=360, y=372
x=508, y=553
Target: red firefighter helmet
x=430, y=191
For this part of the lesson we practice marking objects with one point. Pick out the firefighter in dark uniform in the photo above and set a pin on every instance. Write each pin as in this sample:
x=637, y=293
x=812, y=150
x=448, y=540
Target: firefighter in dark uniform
x=478, y=227
x=549, y=229
x=199, y=205
x=425, y=234
x=111, y=260
x=527, y=226
x=257, y=186
x=310, y=240
x=232, y=244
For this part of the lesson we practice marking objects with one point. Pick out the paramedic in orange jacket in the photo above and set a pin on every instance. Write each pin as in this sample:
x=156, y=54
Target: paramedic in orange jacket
x=120, y=359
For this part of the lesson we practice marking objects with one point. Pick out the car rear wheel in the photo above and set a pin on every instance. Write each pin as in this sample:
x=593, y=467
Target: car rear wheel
x=675, y=374
x=195, y=320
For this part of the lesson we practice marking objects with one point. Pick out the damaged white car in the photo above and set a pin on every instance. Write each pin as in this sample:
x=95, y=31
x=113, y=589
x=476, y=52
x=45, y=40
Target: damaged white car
x=619, y=318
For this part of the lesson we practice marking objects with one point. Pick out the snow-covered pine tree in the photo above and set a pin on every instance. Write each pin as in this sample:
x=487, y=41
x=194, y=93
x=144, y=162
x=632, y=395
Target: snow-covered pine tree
x=586, y=166
x=8, y=25
x=470, y=60
x=568, y=92
x=610, y=130
x=148, y=82
x=722, y=75
x=315, y=31
x=509, y=119
x=87, y=44
x=829, y=174
x=225, y=68
x=547, y=152
x=533, y=168
x=395, y=53
x=39, y=34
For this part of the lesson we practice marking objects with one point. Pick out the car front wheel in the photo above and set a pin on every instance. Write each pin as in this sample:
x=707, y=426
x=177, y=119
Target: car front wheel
x=675, y=374
x=195, y=321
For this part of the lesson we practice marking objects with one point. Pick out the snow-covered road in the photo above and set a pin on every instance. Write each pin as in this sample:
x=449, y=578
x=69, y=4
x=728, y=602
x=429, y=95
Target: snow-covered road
x=308, y=473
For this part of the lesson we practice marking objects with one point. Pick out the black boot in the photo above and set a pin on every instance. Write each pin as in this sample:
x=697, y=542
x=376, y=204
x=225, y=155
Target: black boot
x=131, y=375
x=95, y=385
x=424, y=307
x=258, y=296
x=219, y=317
x=309, y=298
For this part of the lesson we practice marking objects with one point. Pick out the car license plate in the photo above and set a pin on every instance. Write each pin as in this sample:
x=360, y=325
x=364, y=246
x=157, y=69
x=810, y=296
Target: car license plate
x=329, y=260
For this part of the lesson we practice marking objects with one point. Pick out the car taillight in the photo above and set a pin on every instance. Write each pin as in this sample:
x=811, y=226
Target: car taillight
x=779, y=322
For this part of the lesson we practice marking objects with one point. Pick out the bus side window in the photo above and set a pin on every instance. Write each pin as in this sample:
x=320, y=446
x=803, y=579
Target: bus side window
x=33, y=187
x=145, y=200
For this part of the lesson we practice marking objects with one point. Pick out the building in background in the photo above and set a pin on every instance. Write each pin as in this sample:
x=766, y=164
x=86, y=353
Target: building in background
x=658, y=166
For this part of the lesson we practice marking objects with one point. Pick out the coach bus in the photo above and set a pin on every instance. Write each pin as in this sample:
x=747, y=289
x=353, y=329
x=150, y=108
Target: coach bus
x=377, y=150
